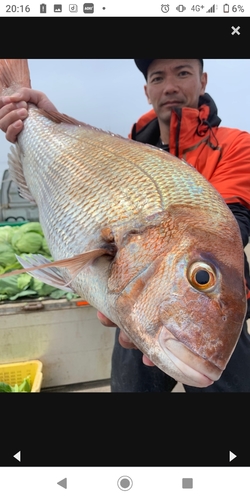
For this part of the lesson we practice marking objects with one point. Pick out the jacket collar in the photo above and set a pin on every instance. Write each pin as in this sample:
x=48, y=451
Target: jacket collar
x=199, y=120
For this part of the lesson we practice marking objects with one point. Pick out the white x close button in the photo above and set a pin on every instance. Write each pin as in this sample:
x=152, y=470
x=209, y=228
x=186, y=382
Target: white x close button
x=235, y=31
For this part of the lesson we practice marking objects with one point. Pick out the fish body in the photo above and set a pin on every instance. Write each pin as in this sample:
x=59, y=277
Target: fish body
x=138, y=233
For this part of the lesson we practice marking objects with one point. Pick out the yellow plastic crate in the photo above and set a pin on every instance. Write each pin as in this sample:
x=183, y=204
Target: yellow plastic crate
x=14, y=373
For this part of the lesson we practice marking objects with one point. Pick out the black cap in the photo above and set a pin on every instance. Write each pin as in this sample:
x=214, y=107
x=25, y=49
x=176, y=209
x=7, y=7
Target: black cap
x=143, y=65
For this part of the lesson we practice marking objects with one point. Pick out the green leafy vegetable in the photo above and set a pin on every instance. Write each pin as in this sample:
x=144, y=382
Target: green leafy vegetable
x=7, y=254
x=34, y=227
x=8, y=286
x=42, y=289
x=23, y=281
x=25, y=386
x=59, y=294
x=24, y=293
x=5, y=387
x=45, y=247
x=12, y=267
x=26, y=242
x=6, y=233
x=23, y=240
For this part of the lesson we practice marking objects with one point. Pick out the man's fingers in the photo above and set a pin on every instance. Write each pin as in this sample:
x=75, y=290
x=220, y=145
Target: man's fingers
x=11, y=113
x=26, y=95
x=13, y=131
x=125, y=341
x=104, y=320
x=13, y=109
x=12, y=122
x=12, y=106
x=20, y=104
x=147, y=361
x=12, y=116
x=123, y=338
x=4, y=99
x=34, y=96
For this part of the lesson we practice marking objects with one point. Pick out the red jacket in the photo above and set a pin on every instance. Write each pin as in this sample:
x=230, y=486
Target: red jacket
x=221, y=154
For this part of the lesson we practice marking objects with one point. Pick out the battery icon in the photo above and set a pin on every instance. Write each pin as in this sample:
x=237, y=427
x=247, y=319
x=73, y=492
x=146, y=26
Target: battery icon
x=226, y=8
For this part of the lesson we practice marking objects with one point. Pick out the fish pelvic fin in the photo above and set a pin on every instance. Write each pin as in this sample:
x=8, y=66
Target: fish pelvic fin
x=14, y=74
x=36, y=264
x=16, y=172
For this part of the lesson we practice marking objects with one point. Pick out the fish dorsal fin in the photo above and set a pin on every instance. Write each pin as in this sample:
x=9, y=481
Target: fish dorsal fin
x=58, y=117
x=16, y=172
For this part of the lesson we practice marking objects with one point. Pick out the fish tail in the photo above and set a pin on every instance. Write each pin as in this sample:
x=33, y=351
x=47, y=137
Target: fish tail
x=14, y=74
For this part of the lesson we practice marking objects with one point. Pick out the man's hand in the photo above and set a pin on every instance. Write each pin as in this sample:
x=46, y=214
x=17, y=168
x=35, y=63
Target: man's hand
x=13, y=110
x=124, y=340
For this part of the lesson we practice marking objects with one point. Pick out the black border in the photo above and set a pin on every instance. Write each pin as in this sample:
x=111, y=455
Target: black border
x=87, y=429
x=126, y=37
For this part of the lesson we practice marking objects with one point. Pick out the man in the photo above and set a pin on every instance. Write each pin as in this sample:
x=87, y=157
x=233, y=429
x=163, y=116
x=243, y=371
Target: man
x=183, y=121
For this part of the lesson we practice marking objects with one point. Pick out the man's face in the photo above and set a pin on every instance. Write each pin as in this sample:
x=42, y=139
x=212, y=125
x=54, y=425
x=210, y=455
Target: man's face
x=174, y=83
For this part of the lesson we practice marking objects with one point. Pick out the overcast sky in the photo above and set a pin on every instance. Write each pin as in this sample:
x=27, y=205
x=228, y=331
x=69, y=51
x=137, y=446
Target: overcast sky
x=109, y=93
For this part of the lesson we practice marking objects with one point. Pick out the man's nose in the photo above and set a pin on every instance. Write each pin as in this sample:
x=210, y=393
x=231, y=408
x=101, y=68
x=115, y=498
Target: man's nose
x=170, y=86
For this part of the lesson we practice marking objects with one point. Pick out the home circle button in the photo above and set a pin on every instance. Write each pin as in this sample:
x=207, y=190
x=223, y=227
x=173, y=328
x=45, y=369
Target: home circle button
x=125, y=483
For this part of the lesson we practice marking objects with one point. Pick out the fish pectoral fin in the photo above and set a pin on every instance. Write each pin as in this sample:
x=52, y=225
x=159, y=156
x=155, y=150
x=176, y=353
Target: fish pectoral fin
x=36, y=264
x=50, y=276
x=77, y=263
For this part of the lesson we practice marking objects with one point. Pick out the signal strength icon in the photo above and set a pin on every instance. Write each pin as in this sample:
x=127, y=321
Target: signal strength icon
x=212, y=9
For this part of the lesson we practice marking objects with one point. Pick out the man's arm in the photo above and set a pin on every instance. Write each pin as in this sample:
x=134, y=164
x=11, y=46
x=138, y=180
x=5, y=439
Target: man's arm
x=242, y=215
x=231, y=176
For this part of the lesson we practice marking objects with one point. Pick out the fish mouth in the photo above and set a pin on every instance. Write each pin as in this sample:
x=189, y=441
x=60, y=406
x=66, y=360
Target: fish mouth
x=199, y=370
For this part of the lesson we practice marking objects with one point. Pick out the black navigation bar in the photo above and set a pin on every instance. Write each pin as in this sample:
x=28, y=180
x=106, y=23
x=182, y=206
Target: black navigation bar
x=105, y=430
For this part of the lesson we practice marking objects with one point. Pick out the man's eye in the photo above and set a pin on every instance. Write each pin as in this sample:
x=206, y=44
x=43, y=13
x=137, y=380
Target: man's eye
x=156, y=79
x=184, y=73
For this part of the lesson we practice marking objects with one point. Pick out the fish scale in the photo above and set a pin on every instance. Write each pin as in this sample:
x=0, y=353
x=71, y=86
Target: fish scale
x=129, y=227
x=115, y=183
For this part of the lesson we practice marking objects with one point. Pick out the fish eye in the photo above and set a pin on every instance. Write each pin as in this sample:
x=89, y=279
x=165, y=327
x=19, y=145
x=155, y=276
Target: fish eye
x=201, y=276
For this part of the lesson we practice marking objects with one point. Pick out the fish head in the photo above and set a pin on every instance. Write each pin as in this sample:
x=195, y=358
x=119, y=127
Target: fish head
x=181, y=295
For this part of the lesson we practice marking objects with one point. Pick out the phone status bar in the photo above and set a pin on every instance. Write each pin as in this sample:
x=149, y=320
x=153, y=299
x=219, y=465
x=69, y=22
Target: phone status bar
x=111, y=8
